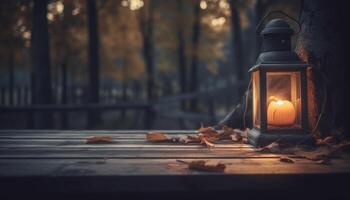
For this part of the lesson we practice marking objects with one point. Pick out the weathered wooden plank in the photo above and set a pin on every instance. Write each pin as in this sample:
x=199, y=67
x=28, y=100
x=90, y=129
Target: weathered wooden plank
x=109, y=167
x=115, y=143
x=88, y=132
x=127, y=153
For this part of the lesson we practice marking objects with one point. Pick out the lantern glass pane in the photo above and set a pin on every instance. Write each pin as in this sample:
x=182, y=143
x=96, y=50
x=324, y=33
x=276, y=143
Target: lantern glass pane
x=283, y=100
x=256, y=100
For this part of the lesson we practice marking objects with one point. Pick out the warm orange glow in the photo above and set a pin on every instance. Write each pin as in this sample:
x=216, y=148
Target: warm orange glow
x=281, y=113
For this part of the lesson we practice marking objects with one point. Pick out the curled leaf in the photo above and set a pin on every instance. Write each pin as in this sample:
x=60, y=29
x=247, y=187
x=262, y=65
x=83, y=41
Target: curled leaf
x=277, y=147
x=236, y=137
x=330, y=140
x=286, y=159
x=207, y=142
x=324, y=162
x=274, y=147
x=206, y=166
x=157, y=137
x=99, y=140
x=245, y=140
x=191, y=139
x=207, y=130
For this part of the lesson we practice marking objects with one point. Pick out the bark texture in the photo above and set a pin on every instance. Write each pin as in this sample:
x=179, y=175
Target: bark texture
x=321, y=44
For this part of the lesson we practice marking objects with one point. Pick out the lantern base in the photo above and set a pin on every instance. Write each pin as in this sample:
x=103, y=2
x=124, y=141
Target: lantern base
x=258, y=139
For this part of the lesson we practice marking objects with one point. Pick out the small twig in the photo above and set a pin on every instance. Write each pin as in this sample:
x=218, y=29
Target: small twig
x=246, y=103
x=182, y=161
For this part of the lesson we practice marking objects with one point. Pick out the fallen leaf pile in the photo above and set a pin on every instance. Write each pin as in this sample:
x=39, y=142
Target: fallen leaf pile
x=325, y=150
x=99, y=140
x=205, y=135
x=205, y=166
x=322, y=153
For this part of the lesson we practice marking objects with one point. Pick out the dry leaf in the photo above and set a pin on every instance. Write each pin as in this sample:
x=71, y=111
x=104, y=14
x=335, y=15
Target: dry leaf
x=225, y=133
x=191, y=139
x=245, y=140
x=236, y=137
x=207, y=130
x=318, y=154
x=206, y=166
x=324, y=162
x=157, y=137
x=244, y=133
x=99, y=140
x=330, y=140
x=286, y=159
x=274, y=147
x=344, y=146
x=277, y=147
x=206, y=142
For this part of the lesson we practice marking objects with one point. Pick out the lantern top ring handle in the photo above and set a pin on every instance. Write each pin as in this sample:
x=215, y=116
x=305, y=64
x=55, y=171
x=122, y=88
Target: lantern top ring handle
x=258, y=27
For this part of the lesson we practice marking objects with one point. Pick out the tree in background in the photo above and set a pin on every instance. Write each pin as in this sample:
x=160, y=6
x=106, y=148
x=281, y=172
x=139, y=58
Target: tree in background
x=67, y=44
x=94, y=70
x=321, y=43
x=8, y=16
x=193, y=83
x=181, y=48
x=41, y=62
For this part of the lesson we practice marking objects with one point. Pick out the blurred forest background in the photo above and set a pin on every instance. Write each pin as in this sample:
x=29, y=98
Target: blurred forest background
x=126, y=64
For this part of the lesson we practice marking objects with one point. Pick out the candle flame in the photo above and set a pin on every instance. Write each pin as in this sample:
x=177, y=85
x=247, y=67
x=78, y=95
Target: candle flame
x=280, y=102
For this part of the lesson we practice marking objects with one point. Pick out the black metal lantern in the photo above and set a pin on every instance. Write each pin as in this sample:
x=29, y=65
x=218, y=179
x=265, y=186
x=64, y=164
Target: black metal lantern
x=279, y=89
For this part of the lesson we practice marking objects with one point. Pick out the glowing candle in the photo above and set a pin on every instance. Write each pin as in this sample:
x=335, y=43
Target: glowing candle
x=281, y=113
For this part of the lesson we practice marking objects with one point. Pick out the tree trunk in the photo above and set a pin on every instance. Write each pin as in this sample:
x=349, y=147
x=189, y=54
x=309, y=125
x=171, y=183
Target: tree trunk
x=41, y=60
x=260, y=9
x=124, y=97
x=146, y=25
x=93, y=57
x=64, y=75
x=181, y=51
x=11, y=66
x=237, y=47
x=321, y=44
x=193, y=87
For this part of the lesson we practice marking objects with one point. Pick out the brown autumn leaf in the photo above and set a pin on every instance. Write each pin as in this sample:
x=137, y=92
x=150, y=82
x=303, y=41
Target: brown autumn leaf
x=225, y=133
x=154, y=136
x=205, y=166
x=191, y=139
x=324, y=162
x=274, y=147
x=344, y=146
x=207, y=142
x=286, y=159
x=207, y=130
x=236, y=137
x=243, y=133
x=323, y=152
x=330, y=140
x=245, y=140
x=99, y=140
x=320, y=153
x=277, y=147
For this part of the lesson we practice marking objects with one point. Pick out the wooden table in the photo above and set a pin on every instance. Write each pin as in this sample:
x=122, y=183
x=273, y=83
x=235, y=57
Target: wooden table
x=60, y=164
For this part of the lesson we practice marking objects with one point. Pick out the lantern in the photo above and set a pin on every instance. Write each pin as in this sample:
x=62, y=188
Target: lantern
x=279, y=89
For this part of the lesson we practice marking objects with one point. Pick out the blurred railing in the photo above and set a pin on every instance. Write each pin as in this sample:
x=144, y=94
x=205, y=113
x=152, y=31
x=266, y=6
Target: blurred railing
x=169, y=107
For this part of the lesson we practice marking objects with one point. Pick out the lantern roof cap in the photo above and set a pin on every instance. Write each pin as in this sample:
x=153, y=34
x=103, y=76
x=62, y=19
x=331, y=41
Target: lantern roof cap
x=277, y=26
x=279, y=60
